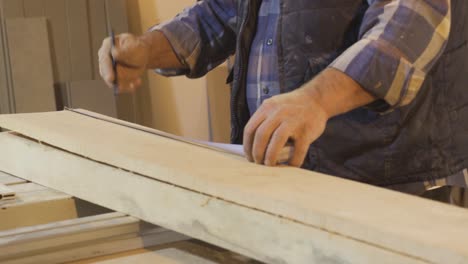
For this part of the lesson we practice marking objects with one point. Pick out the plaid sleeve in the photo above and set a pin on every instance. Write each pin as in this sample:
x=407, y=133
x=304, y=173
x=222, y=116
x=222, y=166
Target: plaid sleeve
x=202, y=36
x=400, y=41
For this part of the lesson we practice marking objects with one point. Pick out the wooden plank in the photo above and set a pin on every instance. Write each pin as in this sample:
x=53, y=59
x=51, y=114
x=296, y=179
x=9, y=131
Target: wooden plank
x=16, y=246
x=306, y=197
x=6, y=193
x=258, y=232
x=55, y=11
x=8, y=179
x=94, y=249
x=34, y=8
x=164, y=256
x=93, y=95
x=98, y=27
x=45, y=228
x=46, y=205
x=31, y=65
x=79, y=40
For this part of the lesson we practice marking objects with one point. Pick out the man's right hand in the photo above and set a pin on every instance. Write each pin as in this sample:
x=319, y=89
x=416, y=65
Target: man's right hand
x=134, y=55
x=131, y=54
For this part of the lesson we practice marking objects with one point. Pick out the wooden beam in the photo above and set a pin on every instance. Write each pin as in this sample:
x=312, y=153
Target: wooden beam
x=258, y=231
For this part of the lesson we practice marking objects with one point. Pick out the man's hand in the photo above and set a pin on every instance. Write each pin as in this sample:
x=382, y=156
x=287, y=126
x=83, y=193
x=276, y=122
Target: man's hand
x=131, y=54
x=300, y=116
x=134, y=55
x=288, y=117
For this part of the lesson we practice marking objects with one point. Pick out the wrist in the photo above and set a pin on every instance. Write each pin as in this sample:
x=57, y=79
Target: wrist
x=161, y=54
x=336, y=93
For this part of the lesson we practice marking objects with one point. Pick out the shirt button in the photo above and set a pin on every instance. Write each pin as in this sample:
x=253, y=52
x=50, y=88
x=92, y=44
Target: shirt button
x=266, y=90
x=270, y=42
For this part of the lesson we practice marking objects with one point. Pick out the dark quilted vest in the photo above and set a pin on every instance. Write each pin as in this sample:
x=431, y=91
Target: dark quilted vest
x=428, y=139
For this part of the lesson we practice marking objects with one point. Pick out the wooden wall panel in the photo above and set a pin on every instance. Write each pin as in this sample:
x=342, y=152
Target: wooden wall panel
x=4, y=88
x=12, y=8
x=31, y=65
x=9, y=9
x=93, y=95
x=98, y=26
x=79, y=41
x=33, y=8
x=55, y=12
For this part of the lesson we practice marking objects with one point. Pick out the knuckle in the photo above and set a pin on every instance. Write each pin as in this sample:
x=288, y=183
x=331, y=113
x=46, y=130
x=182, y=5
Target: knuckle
x=248, y=131
x=261, y=134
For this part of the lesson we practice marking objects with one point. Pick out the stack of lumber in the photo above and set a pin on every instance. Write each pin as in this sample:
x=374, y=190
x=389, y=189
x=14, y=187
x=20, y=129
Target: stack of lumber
x=275, y=215
x=48, y=55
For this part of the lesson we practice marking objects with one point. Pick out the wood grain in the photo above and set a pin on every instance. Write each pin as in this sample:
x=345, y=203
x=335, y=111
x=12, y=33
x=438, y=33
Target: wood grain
x=250, y=220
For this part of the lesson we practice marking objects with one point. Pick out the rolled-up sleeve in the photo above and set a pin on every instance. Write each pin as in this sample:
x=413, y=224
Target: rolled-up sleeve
x=400, y=41
x=202, y=36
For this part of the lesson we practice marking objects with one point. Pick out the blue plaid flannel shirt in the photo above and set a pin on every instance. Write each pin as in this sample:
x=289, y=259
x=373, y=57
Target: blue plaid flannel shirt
x=399, y=43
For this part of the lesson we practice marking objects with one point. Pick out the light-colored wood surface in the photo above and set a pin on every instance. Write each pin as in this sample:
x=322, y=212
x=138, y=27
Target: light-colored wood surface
x=6, y=193
x=191, y=247
x=31, y=66
x=29, y=242
x=364, y=213
x=164, y=256
x=80, y=238
x=252, y=230
x=8, y=179
x=35, y=205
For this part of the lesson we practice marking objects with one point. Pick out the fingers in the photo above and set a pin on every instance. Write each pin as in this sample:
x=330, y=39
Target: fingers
x=105, y=63
x=262, y=138
x=278, y=140
x=300, y=151
x=128, y=75
x=128, y=78
x=249, y=133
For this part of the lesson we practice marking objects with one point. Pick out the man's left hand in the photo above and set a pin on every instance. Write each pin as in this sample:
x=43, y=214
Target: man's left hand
x=292, y=117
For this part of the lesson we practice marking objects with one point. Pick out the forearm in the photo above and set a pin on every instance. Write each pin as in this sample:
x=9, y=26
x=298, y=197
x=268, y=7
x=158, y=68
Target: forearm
x=162, y=54
x=335, y=93
x=399, y=43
